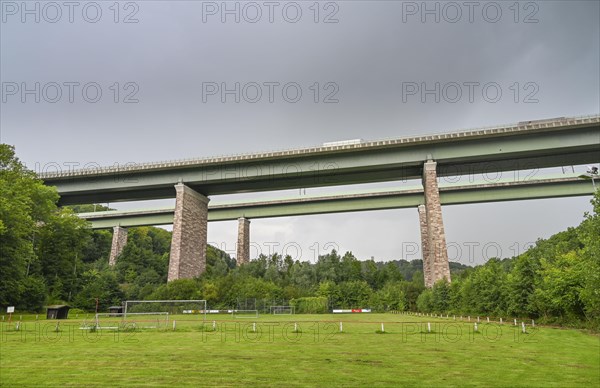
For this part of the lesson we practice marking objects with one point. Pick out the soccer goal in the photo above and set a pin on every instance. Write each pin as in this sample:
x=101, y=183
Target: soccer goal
x=244, y=313
x=282, y=310
x=116, y=321
x=191, y=308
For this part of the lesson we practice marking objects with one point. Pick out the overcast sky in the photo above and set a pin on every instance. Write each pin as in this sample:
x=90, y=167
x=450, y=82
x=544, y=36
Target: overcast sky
x=161, y=80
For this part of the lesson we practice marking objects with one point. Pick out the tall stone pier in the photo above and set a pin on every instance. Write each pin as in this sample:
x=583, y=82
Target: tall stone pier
x=425, y=245
x=435, y=252
x=119, y=241
x=188, y=243
x=243, y=241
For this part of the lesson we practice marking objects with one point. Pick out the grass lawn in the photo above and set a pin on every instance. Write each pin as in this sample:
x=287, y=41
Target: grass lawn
x=405, y=354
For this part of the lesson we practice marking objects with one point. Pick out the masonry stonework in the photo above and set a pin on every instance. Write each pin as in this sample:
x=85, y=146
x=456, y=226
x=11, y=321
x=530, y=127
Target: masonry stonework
x=425, y=245
x=188, y=243
x=243, y=242
x=119, y=241
x=439, y=267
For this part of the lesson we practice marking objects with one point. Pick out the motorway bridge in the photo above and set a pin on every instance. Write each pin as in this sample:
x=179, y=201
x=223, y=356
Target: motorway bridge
x=523, y=146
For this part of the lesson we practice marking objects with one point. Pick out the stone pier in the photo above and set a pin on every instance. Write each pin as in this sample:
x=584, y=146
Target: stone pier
x=243, y=241
x=188, y=243
x=425, y=245
x=119, y=241
x=437, y=254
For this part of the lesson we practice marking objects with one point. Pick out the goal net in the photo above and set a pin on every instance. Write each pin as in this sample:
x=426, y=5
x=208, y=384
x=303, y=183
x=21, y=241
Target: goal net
x=194, y=308
x=285, y=310
x=118, y=321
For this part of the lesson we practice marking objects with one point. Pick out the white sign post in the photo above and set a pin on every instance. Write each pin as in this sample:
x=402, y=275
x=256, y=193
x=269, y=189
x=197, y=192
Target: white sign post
x=10, y=310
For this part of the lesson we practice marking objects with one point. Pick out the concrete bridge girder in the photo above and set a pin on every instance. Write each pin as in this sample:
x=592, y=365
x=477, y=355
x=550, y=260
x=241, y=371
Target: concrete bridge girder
x=554, y=187
x=487, y=151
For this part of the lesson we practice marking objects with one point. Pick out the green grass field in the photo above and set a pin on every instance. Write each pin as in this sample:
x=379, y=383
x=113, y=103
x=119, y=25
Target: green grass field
x=317, y=355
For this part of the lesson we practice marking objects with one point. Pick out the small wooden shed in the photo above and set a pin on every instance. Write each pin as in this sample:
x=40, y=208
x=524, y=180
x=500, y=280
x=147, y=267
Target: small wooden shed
x=58, y=311
x=115, y=311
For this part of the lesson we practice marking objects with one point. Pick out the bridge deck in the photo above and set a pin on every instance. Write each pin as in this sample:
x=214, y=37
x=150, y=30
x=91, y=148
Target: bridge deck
x=552, y=143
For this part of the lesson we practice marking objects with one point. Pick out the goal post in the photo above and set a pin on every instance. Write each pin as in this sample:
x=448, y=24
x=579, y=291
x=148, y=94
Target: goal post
x=153, y=320
x=171, y=306
x=282, y=310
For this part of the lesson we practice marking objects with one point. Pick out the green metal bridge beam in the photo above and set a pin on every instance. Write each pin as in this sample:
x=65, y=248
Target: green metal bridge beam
x=449, y=195
x=524, y=146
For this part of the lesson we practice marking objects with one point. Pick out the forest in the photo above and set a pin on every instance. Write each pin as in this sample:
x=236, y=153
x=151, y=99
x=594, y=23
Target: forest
x=49, y=256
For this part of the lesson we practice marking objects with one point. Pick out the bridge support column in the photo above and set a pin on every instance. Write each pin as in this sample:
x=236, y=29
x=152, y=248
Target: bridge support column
x=188, y=243
x=243, y=242
x=119, y=241
x=425, y=245
x=436, y=249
